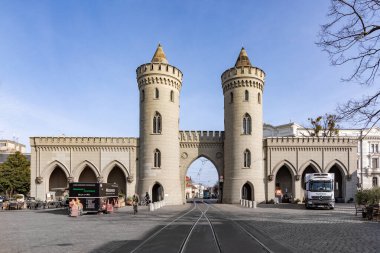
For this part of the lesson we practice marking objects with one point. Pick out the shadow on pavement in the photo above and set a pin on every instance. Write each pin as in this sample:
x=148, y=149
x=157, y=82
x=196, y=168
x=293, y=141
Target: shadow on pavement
x=282, y=206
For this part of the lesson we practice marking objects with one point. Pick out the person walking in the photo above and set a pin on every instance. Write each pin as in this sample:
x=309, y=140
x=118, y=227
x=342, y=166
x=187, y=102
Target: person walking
x=147, y=199
x=135, y=202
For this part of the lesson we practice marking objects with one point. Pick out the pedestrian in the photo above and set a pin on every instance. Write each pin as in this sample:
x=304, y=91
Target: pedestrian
x=147, y=198
x=278, y=195
x=135, y=202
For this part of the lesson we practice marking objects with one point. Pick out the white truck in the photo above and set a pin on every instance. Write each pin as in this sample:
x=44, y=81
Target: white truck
x=319, y=190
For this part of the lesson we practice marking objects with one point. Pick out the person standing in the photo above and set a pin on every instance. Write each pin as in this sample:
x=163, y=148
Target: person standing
x=135, y=202
x=278, y=194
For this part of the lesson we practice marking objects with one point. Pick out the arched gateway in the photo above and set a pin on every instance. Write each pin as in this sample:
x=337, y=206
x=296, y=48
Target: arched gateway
x=196, y=144
x=250, y=165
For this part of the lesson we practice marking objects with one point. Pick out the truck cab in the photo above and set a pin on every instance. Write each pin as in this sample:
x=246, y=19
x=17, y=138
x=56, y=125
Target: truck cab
x=319, y=190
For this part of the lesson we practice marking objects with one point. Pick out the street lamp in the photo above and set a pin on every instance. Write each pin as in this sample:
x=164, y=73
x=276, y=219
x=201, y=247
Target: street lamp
x=361, y=159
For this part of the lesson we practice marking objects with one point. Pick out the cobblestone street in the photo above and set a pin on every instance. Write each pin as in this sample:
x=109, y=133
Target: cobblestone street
x=292, y=226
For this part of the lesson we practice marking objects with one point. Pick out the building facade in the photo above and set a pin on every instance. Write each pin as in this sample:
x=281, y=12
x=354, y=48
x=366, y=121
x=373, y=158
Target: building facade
x=8, y=147
x=370, y=174
x=250, y=165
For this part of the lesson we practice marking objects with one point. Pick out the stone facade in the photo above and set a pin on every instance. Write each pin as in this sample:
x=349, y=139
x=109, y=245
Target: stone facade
x=250, y=165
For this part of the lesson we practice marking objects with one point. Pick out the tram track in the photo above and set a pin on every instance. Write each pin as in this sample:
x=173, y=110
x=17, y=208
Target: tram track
x=207, y=228
x=279, y=248
x=203, y=214
x=146, y=241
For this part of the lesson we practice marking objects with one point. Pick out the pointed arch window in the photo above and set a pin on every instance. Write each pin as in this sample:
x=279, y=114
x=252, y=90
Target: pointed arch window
x=246, y=95
x=157, y=158
x=247, y=124
x=374, y=182
x=247, y=158
x=172, y=96
x=259, y=98
x=231, y=97
x=142, y=96
x=157, y=123
x=156, y=93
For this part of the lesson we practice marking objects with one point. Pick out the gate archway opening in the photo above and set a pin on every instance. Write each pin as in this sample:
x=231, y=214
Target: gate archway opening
x=87, y=175
x=58, y=182
x=157, y=192
x=284, y=181
x=338, y=178
x=202, y=179
x=247, y=192
x=117, y=176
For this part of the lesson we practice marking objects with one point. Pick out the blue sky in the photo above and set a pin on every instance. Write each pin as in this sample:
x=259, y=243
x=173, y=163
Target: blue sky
x=68, y=67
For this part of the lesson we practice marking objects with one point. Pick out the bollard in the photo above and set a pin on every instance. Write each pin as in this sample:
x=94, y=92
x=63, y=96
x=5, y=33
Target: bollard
x=245, y=203
x=241, y=202
x=151, y=207
x=155, y=205
x=159, y=204
x=254, y=204
x=250, y=204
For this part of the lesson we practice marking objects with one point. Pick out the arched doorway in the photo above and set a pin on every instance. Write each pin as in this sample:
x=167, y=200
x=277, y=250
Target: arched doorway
x=58, y=182
x=284, y=181
x=202, y=179
x=87, y=175
x=307, y=170
x=338, y=187
x=247, y=192
x=117, y=176
x=157, y=192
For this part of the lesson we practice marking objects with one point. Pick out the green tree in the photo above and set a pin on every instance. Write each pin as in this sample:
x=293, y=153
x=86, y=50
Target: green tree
x=15, y=175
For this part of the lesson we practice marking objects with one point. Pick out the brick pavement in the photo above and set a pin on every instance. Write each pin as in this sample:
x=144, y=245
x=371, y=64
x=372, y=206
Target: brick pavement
x=301, y=230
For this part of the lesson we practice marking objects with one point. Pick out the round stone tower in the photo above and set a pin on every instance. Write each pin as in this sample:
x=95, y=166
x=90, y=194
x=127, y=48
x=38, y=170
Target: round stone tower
x=159, y=85
x=243, y=123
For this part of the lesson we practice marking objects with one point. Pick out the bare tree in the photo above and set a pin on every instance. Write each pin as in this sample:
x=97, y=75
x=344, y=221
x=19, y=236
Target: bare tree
x=352, y=36
x=325, y=126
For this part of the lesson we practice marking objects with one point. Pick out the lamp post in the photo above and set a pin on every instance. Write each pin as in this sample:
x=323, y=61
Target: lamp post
x=361, y=159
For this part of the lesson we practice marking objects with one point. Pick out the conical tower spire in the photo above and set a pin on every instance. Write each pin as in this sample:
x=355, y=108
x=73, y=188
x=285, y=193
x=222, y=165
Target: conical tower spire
x=243, y=60
x=159, y=55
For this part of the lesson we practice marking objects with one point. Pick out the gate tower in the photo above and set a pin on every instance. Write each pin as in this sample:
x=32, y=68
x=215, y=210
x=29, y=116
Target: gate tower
x=243, y=123
x=159, y=85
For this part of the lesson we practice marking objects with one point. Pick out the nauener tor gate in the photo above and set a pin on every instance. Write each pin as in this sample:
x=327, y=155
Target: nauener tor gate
x=157, y=161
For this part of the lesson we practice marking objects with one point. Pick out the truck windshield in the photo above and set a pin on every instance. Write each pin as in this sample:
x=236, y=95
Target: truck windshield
x=320, y=186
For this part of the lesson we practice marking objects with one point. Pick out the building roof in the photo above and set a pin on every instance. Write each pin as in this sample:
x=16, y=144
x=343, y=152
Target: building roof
x=243, y=60
x=159, y=55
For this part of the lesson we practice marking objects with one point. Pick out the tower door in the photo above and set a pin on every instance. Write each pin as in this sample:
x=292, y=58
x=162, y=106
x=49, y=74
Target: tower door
x=157, y=192
x=246, y=192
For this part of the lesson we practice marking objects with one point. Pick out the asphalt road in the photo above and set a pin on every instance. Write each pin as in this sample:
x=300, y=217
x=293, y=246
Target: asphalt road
x=204, y=228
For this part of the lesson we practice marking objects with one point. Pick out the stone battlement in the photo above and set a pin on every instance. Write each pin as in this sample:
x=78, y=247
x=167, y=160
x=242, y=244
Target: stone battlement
x=159, y=73
x=241, y=72
x=201, y=136
x=159, y=68
x=294, y=141
x=79, y=141
x=243, y=77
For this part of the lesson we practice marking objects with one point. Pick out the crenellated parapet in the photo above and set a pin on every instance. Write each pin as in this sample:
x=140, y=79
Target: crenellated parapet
x=159, y=73
x=244, y=76
x=84, y=141
x=310, y=141
x=201, y=136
